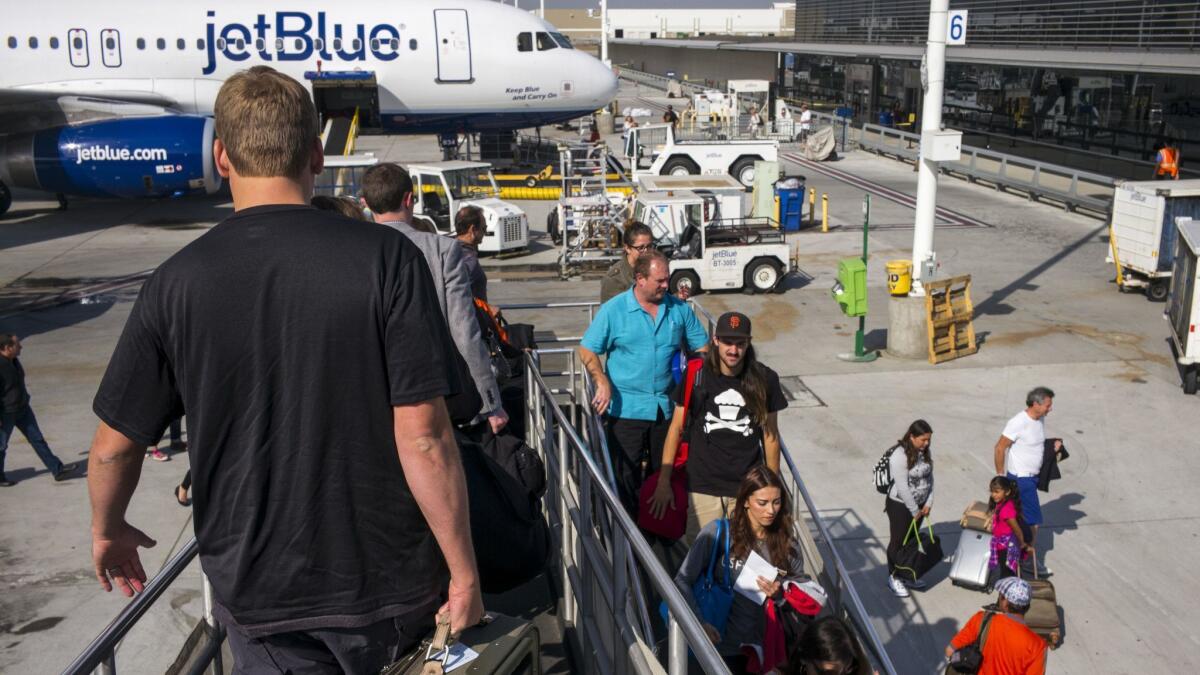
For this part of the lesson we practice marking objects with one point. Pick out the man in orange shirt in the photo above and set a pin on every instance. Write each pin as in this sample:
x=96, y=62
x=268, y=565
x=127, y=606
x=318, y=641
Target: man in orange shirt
x=1009, y=648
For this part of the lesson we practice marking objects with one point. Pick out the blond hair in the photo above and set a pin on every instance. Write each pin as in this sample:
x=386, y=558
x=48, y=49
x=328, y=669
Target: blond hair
x=267, y=122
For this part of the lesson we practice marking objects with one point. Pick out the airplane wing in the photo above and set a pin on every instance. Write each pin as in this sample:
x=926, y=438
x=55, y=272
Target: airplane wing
x=26, y=110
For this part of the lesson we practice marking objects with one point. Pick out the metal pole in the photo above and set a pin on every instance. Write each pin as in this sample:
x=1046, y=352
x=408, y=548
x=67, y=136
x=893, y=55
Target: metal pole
x=216, y=668
x=860, y=336
x=604, y=32
x=542, y=10
x=676, y=648
x=931, y=122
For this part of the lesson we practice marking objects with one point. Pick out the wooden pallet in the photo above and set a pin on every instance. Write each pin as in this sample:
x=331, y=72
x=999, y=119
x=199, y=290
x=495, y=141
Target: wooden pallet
x=949, y=312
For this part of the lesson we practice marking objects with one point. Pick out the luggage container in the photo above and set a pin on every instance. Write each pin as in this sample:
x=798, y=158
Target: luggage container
x=1143, y=231
x=1183, y=306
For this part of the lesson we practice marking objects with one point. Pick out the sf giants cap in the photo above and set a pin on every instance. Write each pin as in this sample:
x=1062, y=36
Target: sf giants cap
x=733, y=325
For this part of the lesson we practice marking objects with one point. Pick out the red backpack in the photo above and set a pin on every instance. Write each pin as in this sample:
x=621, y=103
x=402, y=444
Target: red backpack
x=673, y=523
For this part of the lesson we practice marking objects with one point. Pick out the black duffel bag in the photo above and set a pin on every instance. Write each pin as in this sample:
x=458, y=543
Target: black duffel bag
x=918, y=555
x=504, y=484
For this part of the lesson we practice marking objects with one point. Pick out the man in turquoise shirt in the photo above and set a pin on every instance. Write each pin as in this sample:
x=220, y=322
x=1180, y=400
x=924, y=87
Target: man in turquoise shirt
x=640, y=330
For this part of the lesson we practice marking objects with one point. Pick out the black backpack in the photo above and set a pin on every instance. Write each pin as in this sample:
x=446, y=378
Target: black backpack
x=505, y=480
x=883, y=472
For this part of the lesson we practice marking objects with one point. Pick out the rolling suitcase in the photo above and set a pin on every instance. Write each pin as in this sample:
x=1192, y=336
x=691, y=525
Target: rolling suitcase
x=970, y=565
x=1042, y=617
x=506, y=645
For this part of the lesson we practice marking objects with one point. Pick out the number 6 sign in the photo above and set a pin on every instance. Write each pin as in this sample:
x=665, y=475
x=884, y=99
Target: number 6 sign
x=956, y=27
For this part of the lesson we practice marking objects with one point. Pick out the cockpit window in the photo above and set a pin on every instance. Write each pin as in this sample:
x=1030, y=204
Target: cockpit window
x=562, y=40
x=525, y=42
x=545, y=42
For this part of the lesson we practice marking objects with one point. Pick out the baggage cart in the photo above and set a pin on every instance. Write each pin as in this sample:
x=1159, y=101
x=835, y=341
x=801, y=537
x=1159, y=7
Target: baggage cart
x=1142, y=231
x=1183, y=306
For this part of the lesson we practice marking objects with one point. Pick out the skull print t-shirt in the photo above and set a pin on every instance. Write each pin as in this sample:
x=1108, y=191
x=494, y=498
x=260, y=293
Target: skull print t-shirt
x=724, y=441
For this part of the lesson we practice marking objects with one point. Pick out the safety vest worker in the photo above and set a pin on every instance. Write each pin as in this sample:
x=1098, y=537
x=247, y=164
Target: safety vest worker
x=1168, y=163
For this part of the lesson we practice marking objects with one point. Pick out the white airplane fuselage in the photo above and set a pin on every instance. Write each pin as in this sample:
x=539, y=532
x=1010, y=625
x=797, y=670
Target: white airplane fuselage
x=439, y=66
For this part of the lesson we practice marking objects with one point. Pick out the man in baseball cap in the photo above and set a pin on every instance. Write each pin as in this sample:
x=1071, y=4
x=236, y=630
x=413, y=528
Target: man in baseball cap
x=733, y=325
x=1009, y=647
x=731, y=425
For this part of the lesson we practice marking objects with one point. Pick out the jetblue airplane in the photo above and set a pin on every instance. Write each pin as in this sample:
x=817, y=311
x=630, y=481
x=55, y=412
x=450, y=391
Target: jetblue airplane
x=115, y=98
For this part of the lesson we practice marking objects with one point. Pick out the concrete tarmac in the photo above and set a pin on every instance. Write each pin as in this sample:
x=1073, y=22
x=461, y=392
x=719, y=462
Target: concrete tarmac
x=1119, y=535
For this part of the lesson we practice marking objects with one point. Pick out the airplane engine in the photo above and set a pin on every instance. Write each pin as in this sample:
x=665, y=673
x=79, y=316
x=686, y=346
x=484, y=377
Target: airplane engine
x=125, y=157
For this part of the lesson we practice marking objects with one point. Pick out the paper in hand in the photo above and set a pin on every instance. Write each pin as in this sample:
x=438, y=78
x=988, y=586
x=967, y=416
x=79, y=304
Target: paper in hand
x=747, y=582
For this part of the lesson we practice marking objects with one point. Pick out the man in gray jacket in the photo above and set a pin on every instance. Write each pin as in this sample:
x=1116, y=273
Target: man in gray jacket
x=388, y=191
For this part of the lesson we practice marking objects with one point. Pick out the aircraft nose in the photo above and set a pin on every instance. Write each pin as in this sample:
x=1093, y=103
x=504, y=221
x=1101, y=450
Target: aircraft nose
x=601, y=83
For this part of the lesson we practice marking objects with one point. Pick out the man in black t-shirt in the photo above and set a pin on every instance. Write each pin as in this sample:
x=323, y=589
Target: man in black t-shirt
x=731, y=425
x=309, y=353
x=669, y=117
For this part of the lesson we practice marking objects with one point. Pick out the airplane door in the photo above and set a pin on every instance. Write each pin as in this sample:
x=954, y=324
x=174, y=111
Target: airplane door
x=110, y=47
x=77, y=42
x=454, y=45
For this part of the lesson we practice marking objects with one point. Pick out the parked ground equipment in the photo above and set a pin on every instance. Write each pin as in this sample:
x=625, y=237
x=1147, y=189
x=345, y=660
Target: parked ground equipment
x=1183, y=305
x=442, y=188
x=741, y=253
x=657, y=151
x=1142, y=232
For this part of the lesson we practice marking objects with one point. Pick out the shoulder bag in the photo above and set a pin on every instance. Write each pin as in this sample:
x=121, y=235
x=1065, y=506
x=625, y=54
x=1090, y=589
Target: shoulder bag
x=969, y=659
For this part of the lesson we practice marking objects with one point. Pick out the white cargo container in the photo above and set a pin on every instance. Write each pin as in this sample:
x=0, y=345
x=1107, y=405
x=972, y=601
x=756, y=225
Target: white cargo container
x=1143, y=230
x=728, y=191
x=1183, y=305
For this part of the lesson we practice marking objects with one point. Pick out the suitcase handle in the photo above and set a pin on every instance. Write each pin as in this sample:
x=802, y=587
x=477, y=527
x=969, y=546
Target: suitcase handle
x=1033, y=554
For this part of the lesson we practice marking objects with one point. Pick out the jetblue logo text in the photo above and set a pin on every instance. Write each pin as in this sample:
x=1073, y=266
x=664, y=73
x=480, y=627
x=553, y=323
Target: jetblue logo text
x=107, y=153
x=301, y=36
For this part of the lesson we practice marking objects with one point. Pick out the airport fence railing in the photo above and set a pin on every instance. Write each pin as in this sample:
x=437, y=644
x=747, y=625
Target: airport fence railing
x=1073, y=188
x=600, y=592
x=659, y=81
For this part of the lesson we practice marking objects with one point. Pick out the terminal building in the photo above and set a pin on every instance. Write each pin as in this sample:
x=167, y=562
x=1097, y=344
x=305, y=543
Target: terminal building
x=1110, y=77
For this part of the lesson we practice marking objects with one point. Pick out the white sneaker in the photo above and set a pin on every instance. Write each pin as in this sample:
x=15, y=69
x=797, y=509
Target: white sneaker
x=898, y=587
x=916, y=583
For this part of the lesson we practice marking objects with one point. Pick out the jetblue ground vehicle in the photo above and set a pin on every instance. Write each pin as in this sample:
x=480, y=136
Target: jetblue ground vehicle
x=112, y=98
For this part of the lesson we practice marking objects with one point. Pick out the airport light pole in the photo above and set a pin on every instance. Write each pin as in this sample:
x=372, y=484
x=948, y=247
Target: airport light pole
x=931, y=124
x=604, y=32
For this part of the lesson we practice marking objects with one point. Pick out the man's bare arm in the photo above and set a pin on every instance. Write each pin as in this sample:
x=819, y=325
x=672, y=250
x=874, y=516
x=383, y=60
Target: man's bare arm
x=1002, y=447
x=114, y=468
x=593, y=365
x=433, y=469
x=603, y=387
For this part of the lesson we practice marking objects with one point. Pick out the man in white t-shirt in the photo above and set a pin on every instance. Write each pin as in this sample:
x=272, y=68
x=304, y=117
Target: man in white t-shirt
x=805, y=120
x=1019, y=455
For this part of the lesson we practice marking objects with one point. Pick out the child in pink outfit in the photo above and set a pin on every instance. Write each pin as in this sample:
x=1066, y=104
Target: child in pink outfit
x=1004, y=507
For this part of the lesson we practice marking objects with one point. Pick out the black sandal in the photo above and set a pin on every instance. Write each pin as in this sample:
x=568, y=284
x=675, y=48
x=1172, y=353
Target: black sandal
x=182, y=502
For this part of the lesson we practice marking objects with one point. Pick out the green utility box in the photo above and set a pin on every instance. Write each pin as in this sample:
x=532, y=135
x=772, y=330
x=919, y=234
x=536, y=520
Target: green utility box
x=851, y=288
